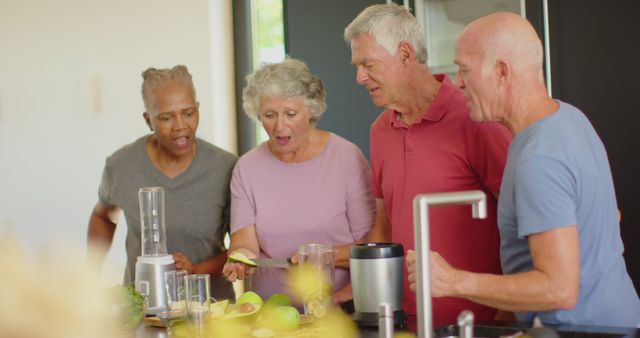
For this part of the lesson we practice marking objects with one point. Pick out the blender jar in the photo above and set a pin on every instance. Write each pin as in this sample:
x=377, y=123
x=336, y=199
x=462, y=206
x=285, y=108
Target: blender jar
x=317, y=261
x=154, y=241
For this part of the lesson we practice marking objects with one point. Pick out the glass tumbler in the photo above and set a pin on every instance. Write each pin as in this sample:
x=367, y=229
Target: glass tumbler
x=175, y=284
x=198, y=300
x=317, y=262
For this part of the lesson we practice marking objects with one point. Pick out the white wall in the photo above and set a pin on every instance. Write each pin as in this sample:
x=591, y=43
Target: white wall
x=70, y=96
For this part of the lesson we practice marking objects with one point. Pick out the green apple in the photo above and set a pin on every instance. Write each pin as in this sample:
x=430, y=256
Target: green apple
x=277, y=299
x=249, y=297
x=284, y=318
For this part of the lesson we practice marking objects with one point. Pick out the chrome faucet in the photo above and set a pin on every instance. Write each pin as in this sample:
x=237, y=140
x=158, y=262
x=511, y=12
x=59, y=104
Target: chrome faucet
x=421, y=204
x=465, y=324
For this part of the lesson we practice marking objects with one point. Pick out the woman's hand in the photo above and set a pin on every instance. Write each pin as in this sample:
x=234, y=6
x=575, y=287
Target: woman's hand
x=295, y=259
x=235, y=270
x=182, y=262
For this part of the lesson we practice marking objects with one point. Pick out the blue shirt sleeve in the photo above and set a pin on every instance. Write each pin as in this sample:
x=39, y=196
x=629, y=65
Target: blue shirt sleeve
x=544, y=195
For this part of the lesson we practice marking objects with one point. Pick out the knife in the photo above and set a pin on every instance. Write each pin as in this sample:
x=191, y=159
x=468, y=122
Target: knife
x=283, y=263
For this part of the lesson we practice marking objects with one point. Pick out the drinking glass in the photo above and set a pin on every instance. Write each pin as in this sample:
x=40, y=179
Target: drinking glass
x=198, y=300
x=175, y=284
x=318, y=262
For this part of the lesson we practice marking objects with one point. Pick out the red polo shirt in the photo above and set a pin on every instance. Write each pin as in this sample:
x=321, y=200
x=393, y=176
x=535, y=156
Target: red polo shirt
x=444, y=151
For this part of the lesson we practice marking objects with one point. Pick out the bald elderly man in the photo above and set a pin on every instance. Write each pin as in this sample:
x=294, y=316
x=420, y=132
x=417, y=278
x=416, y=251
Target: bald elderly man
x=561, y=249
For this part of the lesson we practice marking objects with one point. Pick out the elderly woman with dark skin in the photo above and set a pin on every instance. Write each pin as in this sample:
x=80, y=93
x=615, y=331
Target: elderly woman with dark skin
x=302, y=185
x=194, y=173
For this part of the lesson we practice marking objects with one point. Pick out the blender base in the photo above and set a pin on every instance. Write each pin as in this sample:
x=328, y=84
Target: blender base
x=370, y=319
x=150, y=281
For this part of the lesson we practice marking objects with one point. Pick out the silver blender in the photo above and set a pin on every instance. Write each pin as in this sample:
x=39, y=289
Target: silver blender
x=376, y=277
x=154, y=262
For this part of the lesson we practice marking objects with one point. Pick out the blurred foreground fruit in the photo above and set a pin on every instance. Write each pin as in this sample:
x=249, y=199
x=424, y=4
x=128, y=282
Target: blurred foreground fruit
x=276, y=300
x=249, y=297
x=178, y=328
x=244, y=311
x=282, y=319
x=218, y=309
x=318, y=299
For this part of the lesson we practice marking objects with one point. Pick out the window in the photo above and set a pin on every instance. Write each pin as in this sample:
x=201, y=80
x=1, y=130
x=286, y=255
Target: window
x=443, y=21
x=267, y=40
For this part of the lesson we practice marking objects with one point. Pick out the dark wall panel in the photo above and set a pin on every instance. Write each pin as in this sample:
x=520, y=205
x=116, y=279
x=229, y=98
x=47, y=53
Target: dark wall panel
x=314, y=33
x=594, y=56
x=243, y=65
x=595, y=51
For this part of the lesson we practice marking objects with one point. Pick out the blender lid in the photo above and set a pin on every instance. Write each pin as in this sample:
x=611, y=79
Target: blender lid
x=376, y=250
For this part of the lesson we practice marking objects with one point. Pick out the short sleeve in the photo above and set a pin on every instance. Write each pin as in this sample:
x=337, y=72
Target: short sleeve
x=105, y=190
x=360, y=203
x=243, y=210
x=226, y=212
x=544, y=191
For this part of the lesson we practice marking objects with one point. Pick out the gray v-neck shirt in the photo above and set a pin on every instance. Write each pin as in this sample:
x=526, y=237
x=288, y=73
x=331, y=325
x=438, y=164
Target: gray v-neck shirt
x=196, y=202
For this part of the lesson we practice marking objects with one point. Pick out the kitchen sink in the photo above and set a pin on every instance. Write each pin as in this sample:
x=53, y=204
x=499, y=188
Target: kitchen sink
x=495, y=329
x=481, y=331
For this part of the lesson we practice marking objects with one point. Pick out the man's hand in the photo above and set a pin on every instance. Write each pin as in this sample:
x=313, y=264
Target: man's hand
x=443, y=276
x=343, y=295
x=182, y=262
x=411, y=268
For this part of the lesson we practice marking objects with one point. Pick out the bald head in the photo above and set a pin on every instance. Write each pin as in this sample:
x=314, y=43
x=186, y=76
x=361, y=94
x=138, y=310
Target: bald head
x=500, y=59
x=507, y=37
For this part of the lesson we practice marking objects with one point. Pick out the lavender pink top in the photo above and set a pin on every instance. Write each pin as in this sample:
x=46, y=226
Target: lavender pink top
x=326, y=199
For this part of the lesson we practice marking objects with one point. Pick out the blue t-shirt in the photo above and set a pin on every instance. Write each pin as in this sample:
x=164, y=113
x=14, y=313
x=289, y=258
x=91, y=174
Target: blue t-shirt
x=557, y=175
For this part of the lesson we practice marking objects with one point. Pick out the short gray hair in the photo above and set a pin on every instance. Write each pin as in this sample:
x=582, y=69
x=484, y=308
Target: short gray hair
x=156, y=78
x=389, y=24
x=290, y=78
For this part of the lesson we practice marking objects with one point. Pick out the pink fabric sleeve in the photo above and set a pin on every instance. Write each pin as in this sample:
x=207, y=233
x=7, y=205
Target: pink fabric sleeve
x=360, y=204
x=243, y=210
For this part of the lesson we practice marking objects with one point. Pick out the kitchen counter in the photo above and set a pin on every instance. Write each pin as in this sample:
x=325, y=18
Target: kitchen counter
x=498, y=329
x=485, y=330
x=150, y=332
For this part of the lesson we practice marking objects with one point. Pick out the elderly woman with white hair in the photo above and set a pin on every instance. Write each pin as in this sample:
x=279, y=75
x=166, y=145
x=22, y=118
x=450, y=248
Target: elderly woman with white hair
x=302, y=185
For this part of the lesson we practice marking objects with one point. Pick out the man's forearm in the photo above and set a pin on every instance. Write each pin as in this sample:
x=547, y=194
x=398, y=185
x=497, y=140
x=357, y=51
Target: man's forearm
x=342, y=254
x=380, y=232
x=552, y=284
x=378, y=235
x=528, y=291
x=374, y=236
